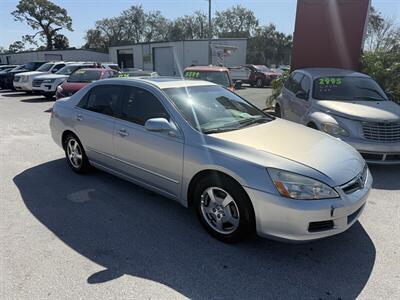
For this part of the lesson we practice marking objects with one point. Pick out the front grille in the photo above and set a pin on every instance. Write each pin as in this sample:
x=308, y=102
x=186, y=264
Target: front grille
x=383, y=132
x=357, y=183
x=354, y=215
x=37, y=82
x=320, y=226
x=17, y=78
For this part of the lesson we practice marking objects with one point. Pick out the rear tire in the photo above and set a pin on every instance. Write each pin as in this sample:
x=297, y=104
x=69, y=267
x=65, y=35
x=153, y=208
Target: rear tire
x=278, y=112
x=75, y=155
x=224, y=209
x=259, y=83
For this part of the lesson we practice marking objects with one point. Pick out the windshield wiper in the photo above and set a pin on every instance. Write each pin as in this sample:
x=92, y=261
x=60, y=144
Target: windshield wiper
x=251, y=121
x=369, y=98
x=218, y=130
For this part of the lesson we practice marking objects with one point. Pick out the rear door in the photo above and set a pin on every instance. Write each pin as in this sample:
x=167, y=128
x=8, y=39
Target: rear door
x=154, y=159
x=95, y=121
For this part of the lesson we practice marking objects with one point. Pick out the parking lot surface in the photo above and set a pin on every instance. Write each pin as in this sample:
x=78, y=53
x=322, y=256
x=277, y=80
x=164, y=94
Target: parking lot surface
x=65, y=236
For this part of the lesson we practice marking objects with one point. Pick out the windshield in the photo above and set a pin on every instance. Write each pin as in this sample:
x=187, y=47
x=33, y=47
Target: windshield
x=220, y=78
x=45, y=67
x=263, y=68
x=68, y=70
x=211, y=109
x=348, y=88
x=85, y=76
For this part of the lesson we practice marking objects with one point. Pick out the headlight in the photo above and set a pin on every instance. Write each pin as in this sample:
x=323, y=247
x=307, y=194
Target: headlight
x=49, y=80
x=334, y=129
x=300, y=187
x=24, y=78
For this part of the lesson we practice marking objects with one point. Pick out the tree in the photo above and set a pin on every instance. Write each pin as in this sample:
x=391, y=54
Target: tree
x=382, y=33
x=156, y=28
x=236, y=21
x=44, y=16
x=95, y=40
x=16, y=47
x=269, y=46
x=60, y=42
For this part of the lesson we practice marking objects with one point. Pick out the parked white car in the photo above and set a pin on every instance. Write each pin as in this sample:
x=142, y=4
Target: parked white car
x=23, y=82
x=47, y=84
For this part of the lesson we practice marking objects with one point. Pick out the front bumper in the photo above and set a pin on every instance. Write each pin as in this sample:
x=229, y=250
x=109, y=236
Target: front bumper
x=23, y=86
x=376, y=152
x=281, y=218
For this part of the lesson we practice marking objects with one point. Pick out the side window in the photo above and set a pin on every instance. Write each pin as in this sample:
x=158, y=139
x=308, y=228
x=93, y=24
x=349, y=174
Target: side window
x=57, y=67
x=294, y=82
x=102, y=99
x=139, y=105
x=305, y=85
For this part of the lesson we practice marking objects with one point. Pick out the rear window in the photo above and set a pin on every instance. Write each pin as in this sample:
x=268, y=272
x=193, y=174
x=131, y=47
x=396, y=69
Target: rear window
x=45, y=67
x=220, y=78
x=85, y=76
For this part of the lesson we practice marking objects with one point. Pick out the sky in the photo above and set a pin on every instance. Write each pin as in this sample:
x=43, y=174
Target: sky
x=85, y=13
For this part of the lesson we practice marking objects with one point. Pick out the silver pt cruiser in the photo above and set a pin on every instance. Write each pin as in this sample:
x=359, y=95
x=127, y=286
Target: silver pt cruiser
x=200, y=144
x=348, y=105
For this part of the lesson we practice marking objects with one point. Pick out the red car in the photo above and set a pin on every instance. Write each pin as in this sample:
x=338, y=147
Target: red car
x=80, y=78
x=260, y=75
x=218, y=75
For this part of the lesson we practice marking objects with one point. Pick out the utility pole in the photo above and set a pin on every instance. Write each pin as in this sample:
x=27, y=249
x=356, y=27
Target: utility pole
x=209, y=33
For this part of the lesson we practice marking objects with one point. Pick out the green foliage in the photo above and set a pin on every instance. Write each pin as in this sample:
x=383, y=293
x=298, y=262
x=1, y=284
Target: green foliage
x=277, y=86
x=44, y=16
x=269, y=46
x=236, y=21
x=17, y=46
x=384, y=67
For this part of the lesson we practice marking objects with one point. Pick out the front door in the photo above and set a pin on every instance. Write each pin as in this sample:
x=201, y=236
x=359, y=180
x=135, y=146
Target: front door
x=153, y=159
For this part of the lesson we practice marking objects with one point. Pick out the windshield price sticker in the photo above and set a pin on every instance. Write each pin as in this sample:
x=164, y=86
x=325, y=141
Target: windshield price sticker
x=192, y=74
x=123, y=75
x=330, y=81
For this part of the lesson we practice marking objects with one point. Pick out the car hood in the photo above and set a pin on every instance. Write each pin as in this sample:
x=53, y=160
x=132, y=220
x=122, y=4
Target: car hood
x=73, y=86
x=363, y=110
x=335, y=159
x=33, y=73
x=52, y=76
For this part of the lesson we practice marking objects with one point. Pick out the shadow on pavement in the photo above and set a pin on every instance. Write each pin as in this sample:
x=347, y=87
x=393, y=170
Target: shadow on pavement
x=37, y=100
x=386, y=177
x=14, y=94
x=129, y=230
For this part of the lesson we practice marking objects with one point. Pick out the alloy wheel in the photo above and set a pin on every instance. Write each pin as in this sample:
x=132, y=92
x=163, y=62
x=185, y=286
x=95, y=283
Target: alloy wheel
x=74, y=153
x=220, y=210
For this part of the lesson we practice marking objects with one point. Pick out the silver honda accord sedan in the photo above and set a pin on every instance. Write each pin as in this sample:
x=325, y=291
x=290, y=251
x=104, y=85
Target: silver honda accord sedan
x=348, y=105
x=198, y=143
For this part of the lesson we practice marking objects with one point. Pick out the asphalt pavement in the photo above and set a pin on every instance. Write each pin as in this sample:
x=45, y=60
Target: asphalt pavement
x=69, y=236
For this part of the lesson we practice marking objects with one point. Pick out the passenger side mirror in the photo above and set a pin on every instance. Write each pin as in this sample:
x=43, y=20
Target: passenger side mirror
x=302, y=95
x=389, y=94
x=161, y=125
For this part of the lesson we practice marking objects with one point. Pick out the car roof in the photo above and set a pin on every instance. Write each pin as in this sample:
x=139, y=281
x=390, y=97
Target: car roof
x=207, y=69
x=321, y=72
x=163, y=82
x=94, y=69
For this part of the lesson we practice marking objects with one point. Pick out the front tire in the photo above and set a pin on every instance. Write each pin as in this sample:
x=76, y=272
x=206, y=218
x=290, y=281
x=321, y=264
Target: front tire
x=278, y=112
x=75, y=155
x=224, y=209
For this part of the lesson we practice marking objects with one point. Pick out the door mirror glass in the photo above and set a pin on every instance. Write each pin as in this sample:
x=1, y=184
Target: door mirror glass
x=301, y=95
x=161, y=125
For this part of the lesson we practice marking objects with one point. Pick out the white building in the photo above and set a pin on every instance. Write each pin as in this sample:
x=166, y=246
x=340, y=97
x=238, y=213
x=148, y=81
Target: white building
x=170, y=58
x=54, y=55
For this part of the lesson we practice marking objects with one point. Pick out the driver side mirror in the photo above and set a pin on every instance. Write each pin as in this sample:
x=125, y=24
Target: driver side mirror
x=161, y=125
x=390, y=95
x=301, y=95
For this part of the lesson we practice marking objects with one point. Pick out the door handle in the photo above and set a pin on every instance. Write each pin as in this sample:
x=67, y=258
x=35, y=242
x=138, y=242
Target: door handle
x=79, y=117
x=122, y=132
